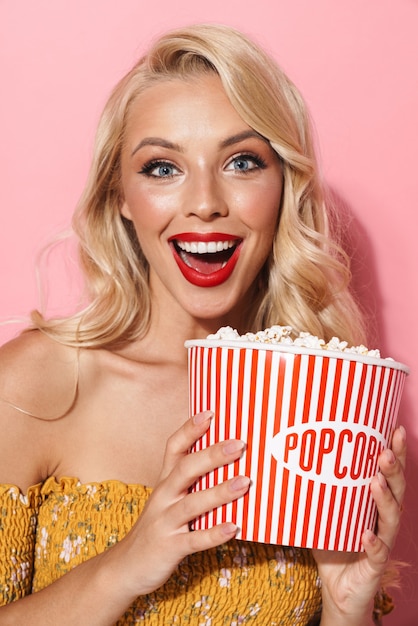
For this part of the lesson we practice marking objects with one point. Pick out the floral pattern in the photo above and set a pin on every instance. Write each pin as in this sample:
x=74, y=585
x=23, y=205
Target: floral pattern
x=60, y=524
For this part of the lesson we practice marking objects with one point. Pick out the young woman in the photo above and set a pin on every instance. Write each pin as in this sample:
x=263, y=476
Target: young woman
x=203, y=208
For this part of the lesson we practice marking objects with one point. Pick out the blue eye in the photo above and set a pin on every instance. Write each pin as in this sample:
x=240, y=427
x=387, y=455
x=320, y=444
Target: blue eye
x=241, y=164
x=246, y=163
x=159, y=169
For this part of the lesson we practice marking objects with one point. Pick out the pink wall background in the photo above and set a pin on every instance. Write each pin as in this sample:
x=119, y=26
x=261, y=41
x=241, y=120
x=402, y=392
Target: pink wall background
x=356, y=64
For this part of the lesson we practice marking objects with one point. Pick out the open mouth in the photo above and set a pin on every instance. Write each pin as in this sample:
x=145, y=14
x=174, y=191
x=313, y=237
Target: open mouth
x=206, y=260
x=205, y=257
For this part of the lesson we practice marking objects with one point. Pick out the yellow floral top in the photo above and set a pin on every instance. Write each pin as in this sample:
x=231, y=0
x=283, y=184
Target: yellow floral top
x=60, y=524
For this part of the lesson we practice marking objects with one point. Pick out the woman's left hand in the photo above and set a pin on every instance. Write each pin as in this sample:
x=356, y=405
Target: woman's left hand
x=351, y=580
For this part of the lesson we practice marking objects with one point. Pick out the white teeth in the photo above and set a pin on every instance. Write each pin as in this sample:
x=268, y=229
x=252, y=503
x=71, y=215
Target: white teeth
x=202, y=247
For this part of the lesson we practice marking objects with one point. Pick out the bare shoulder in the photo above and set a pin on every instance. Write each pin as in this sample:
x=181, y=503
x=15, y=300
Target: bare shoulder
x=38, y=375
x=38, y=384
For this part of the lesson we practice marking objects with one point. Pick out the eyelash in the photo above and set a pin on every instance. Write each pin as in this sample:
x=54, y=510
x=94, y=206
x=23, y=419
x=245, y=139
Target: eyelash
x=148, y=167
x=257, y=160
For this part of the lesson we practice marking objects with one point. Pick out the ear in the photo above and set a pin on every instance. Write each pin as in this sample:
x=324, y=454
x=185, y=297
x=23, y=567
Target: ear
x=125, y=211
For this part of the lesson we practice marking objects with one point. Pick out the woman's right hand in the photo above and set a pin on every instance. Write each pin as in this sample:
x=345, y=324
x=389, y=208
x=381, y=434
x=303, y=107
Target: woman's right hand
x=105, y=585
x=161, y=538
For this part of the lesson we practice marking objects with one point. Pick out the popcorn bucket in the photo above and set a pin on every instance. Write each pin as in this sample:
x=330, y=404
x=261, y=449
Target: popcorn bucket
x=314, y=421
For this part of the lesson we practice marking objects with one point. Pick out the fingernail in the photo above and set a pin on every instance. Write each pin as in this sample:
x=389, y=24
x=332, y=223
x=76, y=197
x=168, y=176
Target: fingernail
x=390, y=457
x=402, y=432
x=240, y=482
x=205, y=416
x=229, y=528
x=232, y=446
x=371, y=537
x=382, y=480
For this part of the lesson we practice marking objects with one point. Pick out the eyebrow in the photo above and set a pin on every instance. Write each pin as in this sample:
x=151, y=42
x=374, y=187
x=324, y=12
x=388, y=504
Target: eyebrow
x=157, y=141
x=229, y=141
x=246, y=134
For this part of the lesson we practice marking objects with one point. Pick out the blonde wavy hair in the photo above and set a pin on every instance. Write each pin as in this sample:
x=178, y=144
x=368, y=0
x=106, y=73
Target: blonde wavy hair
x=306, y=277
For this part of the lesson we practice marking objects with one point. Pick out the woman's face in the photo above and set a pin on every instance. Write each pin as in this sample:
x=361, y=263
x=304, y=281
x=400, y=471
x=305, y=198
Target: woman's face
x=203, y=191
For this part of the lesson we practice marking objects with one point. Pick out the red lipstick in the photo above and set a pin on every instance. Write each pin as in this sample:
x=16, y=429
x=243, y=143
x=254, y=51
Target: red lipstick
x=206, y=259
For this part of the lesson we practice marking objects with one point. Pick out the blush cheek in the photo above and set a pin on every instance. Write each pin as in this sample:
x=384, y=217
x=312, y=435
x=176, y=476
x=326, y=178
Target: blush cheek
x=149, y=212
x=260, y=208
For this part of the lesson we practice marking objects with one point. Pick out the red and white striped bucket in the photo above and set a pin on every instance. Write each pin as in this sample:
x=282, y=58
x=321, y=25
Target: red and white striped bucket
x=314, y=422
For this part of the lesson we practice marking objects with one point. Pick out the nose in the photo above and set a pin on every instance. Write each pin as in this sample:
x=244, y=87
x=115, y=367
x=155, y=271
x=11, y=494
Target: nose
x=206, y=197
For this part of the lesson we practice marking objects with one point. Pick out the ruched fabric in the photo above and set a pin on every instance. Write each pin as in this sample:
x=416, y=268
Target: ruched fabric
x=60, y=524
